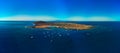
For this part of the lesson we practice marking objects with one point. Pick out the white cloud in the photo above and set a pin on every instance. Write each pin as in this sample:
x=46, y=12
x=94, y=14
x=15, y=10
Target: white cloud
x=78, y=18
x=100, y=19
x=28, y=18
x=50, y=18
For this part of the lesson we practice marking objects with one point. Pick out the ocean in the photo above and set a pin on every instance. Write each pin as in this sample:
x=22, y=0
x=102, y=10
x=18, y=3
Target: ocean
x=104, y=37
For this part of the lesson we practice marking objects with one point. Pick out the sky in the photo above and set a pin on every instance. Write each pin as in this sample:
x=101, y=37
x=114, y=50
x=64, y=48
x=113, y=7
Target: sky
x=63, y=10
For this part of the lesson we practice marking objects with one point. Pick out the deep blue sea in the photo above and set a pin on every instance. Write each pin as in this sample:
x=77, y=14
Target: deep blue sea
x=103, y=38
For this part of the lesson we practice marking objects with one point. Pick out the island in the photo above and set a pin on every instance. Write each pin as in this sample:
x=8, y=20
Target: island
x=42, y=24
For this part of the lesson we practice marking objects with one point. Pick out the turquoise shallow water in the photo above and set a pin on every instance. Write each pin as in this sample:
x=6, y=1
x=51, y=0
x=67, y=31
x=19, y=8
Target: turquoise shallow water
x=103, y=38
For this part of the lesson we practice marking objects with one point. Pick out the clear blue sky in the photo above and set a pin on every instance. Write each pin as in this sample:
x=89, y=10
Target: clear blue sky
x=61, y=9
